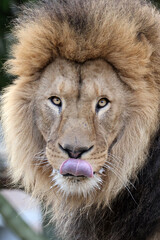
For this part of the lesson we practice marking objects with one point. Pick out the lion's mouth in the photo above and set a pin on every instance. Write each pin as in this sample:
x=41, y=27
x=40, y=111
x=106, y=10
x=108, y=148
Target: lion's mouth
x=71, y=175
x=76, y=176
x=101, y=171
x=76, y=167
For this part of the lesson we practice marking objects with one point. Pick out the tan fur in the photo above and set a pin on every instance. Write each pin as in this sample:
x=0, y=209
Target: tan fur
x=116, y=56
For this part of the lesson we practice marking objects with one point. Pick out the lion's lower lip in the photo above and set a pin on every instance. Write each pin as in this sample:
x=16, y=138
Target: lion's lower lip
x=70, y=175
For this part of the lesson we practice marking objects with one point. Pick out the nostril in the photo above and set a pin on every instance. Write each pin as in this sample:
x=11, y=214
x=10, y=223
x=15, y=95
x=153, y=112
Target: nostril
x=74, y=152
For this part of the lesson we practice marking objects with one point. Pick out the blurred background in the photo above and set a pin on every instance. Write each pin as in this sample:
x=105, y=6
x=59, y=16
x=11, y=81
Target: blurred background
x=8, y=10
x=20, y=216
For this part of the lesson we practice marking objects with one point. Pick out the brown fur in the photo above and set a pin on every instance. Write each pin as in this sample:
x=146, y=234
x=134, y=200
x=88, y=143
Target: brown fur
x=79, y=51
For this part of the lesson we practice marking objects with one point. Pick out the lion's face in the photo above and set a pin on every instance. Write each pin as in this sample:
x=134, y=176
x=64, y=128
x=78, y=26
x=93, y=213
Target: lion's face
x=80, y=130
x=80, y=111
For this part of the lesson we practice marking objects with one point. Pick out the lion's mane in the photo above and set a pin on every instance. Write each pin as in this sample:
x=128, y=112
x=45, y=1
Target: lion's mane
x=124, y=33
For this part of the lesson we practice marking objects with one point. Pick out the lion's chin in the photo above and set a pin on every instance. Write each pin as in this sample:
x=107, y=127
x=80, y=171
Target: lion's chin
x=70, y=185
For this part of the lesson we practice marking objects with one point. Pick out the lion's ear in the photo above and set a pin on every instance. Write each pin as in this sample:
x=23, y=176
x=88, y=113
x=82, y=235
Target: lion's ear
x=146, y=43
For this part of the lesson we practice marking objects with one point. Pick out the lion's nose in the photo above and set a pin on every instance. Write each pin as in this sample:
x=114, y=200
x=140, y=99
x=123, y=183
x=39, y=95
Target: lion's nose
x=74, y=152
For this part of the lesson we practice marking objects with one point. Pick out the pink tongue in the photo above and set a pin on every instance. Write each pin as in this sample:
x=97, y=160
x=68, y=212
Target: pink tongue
x=76, y=167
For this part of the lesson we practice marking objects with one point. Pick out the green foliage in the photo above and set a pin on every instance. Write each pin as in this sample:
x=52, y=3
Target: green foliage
x=16, y=223
x=8, y=9
x=156, y=3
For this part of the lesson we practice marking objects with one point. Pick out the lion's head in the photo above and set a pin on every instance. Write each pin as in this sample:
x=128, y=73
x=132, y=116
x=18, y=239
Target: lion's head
x=81, y=115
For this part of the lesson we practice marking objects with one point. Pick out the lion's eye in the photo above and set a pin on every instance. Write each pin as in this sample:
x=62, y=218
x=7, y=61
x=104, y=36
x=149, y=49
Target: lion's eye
x=56, y=101
x=102, y=103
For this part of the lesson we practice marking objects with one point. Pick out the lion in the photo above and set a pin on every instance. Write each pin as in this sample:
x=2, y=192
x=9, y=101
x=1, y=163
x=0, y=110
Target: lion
x=81, y=119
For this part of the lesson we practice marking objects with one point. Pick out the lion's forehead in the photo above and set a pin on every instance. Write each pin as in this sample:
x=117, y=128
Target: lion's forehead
x=89, y=80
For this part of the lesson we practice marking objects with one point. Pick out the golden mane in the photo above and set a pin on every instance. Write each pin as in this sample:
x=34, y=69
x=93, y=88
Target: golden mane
x=125, y=34
x=85, y=34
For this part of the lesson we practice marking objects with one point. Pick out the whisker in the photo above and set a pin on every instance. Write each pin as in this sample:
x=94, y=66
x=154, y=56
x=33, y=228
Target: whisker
x=118, y=175
x=40, y=155
x=118, y=169
x=115, y=158
x=41, y=163
x=46, y=168
x=40, y=158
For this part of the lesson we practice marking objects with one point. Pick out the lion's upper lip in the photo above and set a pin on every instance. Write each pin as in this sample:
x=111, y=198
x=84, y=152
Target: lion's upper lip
x=76, y=167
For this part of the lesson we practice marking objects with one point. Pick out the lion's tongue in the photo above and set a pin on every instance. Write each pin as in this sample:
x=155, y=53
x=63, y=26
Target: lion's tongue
x=76, y=167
